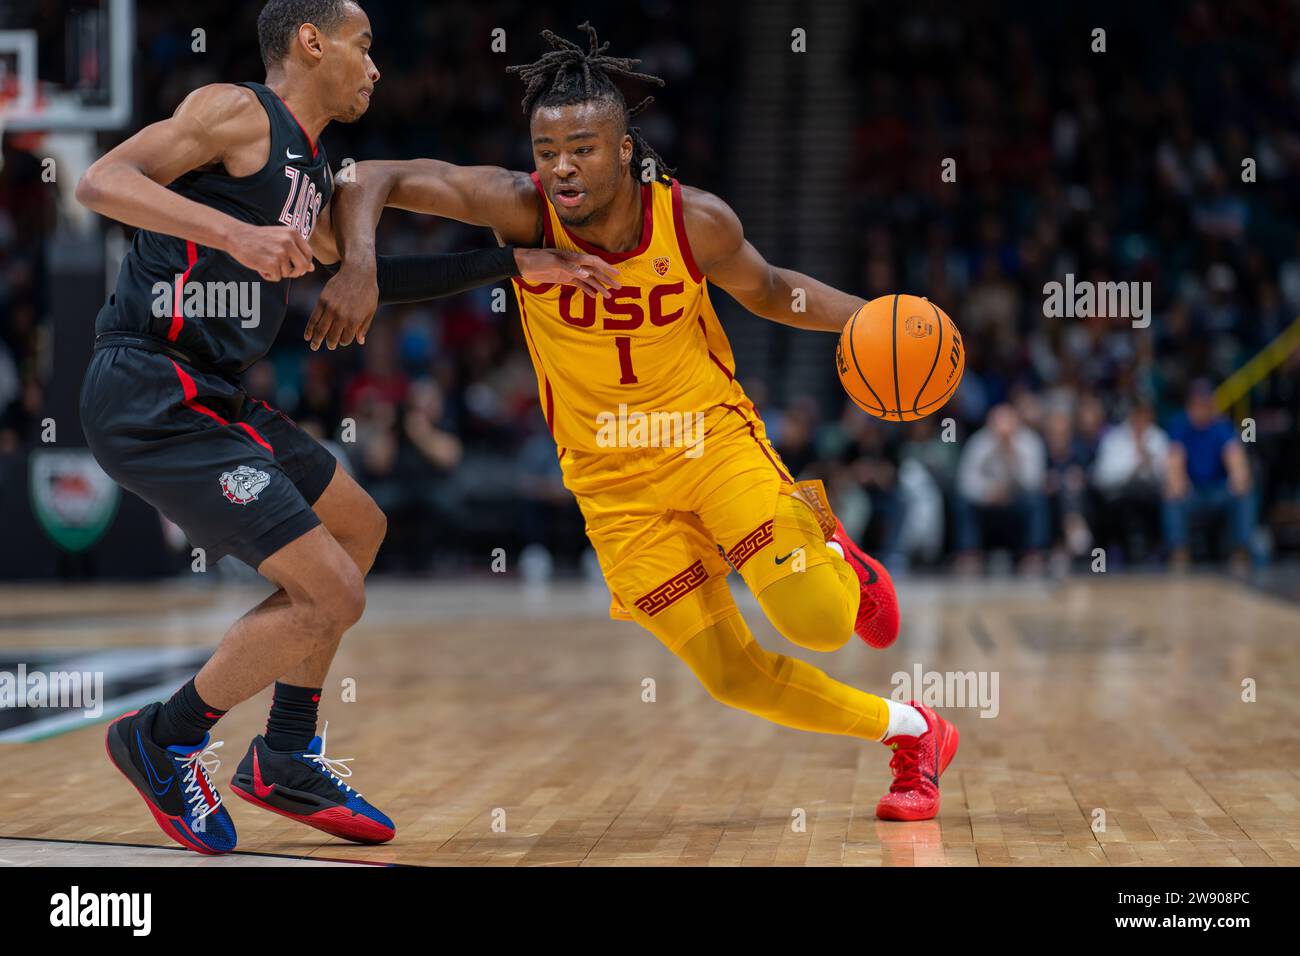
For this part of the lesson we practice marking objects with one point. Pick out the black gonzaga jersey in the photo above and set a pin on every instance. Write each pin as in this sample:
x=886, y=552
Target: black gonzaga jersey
x=201, y=298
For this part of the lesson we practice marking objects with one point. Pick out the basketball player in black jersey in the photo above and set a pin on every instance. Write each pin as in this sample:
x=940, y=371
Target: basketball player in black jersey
x=231, y=196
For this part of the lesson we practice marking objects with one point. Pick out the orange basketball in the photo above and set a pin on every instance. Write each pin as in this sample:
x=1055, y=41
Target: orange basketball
x=900, y=357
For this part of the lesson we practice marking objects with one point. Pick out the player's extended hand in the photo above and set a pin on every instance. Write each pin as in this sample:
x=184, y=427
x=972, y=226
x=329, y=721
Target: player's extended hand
x=345, y=309
x=273, y=252
x=591, y=274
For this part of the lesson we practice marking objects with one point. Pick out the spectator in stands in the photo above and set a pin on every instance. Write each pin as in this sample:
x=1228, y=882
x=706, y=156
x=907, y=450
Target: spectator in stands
x=1128, y=476
x=872, y=460
x=931, y=443
x=549, y=522
x=1000, y=491
x=319, y=406
x=407, y=461
x=1207, y=478
x=1066, y=486
x=795, y=440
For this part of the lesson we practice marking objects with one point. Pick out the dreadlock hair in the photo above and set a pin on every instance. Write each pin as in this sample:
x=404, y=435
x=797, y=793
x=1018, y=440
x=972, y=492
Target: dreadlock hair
x=568, y=74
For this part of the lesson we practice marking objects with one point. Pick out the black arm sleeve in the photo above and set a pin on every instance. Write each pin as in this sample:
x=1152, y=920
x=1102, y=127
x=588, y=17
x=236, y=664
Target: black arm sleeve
x=416, y=278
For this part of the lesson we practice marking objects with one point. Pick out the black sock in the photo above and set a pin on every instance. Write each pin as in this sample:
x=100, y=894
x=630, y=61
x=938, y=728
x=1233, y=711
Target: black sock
x=185, y=718
x=292, y=723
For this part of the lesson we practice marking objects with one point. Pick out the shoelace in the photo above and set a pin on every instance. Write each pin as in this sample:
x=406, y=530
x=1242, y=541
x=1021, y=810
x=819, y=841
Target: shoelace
x=336, y=767
x=906, y=765
x=203, y=761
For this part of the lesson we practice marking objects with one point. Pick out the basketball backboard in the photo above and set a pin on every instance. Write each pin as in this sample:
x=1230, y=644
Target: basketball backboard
x=72, y=72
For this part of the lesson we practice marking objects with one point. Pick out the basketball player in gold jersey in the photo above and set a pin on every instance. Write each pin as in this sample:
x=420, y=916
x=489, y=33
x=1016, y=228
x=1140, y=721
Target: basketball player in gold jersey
x=666, y=455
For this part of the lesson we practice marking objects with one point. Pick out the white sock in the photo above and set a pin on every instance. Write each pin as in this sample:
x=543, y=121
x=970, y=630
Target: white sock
x=835, y=546
x=904, y=719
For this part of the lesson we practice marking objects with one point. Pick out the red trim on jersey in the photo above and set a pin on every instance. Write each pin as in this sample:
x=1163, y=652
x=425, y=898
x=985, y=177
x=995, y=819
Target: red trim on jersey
x=295, y=119
x=549, y=410
x=647, y=227
x=754, y=434
x=716, y=361
x=178, y=310
x=679, y=226
x=283, y=416
x=253, y=433
x=548, y=239
x=191, y=402
x=276, y=411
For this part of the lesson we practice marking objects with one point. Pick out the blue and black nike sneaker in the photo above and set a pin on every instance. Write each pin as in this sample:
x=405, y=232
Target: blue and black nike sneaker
x=174, y=781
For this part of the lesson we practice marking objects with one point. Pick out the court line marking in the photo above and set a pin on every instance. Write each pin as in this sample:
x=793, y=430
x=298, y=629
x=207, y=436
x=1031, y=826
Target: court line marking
x=179, y=849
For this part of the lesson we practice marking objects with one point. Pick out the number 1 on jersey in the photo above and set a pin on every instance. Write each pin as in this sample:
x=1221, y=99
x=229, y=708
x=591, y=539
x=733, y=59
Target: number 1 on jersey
x=624, y=344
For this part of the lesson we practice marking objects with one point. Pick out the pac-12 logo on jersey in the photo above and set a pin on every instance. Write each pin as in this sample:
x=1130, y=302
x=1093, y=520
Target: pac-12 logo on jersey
x=243, y=484
x=302, y=205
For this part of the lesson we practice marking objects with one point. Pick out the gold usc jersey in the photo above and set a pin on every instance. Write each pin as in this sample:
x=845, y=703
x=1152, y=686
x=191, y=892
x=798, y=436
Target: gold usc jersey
x=654, y=347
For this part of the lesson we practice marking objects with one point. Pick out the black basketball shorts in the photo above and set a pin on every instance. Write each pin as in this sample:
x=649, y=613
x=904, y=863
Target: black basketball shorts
x=236, y=475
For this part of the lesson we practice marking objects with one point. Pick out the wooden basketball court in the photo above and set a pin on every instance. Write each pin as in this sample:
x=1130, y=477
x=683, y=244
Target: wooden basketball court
x=501, y=725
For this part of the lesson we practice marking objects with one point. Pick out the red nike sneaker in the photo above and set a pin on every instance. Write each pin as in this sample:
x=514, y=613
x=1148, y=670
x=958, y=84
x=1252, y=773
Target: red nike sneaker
x=878, y=610
x=917, y=764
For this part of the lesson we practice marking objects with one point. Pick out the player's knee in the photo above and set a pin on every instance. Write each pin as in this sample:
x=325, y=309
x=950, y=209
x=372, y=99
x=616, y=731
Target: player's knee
x=377, y=530
x=825, y=628
x=350, y=603
x=337, y=599
x=365, y=536
x=810, y=610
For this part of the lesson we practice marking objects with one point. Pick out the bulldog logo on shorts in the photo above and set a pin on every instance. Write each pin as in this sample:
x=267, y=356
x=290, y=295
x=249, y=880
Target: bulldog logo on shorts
x=243, y=484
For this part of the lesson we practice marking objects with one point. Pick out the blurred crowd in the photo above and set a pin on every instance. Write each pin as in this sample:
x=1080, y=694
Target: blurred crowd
x=1161, y=151
x=26, y=219
x=1067, y=434
x=1049, y=486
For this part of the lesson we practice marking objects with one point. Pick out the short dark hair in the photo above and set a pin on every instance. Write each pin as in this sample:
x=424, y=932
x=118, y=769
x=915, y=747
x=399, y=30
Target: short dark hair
x=278, y=23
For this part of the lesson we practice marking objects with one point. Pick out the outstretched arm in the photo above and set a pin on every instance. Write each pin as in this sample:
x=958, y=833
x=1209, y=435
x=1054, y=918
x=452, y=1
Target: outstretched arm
x=479, y=195
x=727, y=258
x=504, y=201
x=223, y=124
